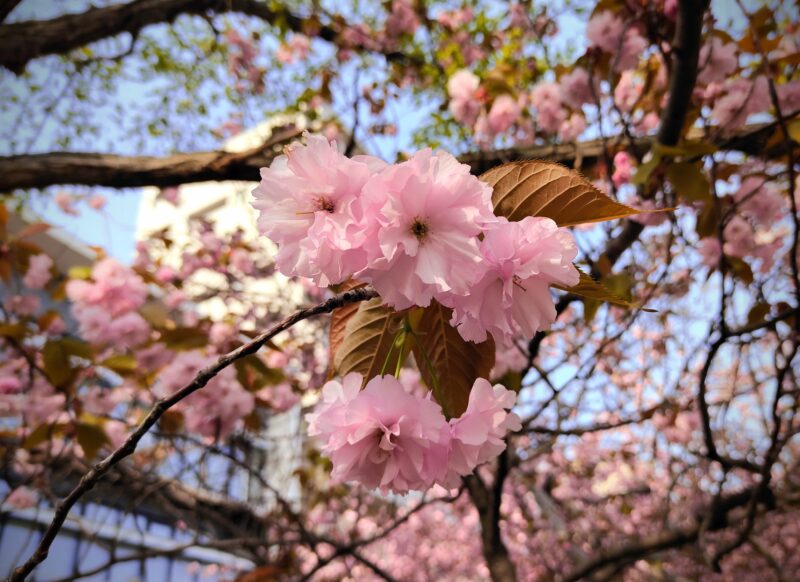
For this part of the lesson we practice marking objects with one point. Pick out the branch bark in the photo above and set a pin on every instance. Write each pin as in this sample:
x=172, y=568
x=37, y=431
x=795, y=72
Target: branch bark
x=90, y=479
x=94, y=169
x=487, y=502
x=22, y=42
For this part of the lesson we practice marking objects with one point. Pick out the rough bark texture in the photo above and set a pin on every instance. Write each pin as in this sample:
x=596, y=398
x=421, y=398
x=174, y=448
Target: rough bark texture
x=22, y=42
x=94, y=169
x=487, y=500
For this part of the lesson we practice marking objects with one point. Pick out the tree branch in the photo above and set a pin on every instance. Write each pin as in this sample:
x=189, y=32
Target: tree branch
x=487, y=502
x=94, y=169
x=91, y=478
x=642, y=547
x=22, y=42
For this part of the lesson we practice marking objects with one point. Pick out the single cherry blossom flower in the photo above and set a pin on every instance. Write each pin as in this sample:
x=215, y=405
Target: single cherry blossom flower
x=512, y=295
x=428, y=212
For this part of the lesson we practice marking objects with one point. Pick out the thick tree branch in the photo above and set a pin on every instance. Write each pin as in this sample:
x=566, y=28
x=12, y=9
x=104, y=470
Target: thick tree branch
x=91, y=478
x=487, y=502
x=94, y=169
x=22, y=42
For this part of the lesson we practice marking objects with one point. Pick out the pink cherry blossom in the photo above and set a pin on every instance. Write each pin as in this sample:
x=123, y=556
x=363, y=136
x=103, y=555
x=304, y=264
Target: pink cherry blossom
x=520, y=262
x=503, y=114
x=477, y=435
x=280, y=397
x=455, y=18
x=647, y=123
x=22, y=498
x=241, y=260
x=309, y=205
x=381, y=436
x=9, y=384
x=128, y=330
x=221, y=333
x=38, y=273
x=572, y=127
x=739, y=237
x=519, y=16
x=760, y=200
x=174, y=298
x=102, y=401
x=22, y=305
x=171, y=195
x=717, y=61
x=165, y=274
x=403, y=19
x=115, y=288
x=217, y=409
x=623, y=169
x=97, y=202
x=295, y=50
x=65, y=202
x=605, y=31
x=546, y=98
x=671, y=9
x=633, y=45
x=648, y=218
x=710, y=250
x=429, y=211
x=575, y=88
x=742, y=98
x=789, y=96
x=628, y=91
x=461, y=88
x=508, y=358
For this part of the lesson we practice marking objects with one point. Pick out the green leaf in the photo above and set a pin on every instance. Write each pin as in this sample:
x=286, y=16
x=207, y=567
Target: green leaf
x=740, y=269
x=77, y=347
x=794, y=130
x=155, y=313
x=121, y=363
x=41, y=434
x=538, y=188
x=56, y=362
x=184, y=338
x=591, y=289
x=758, y=313
x=689, y=182
x=439, y=349
x=90, y=435
x=80, y=272
x=643, y=172
x=688, y=149
x=368, y=339
x=13, y=330
x=254, y=374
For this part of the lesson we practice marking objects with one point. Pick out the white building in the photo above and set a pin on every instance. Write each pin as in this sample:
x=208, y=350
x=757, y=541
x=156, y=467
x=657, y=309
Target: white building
x=227, y=205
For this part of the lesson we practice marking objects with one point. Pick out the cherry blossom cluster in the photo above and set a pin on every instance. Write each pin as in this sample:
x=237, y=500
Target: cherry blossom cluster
x=105, y=306
x=390, y=436
x=418, y=231
x=214, y=411
x=755, y=231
